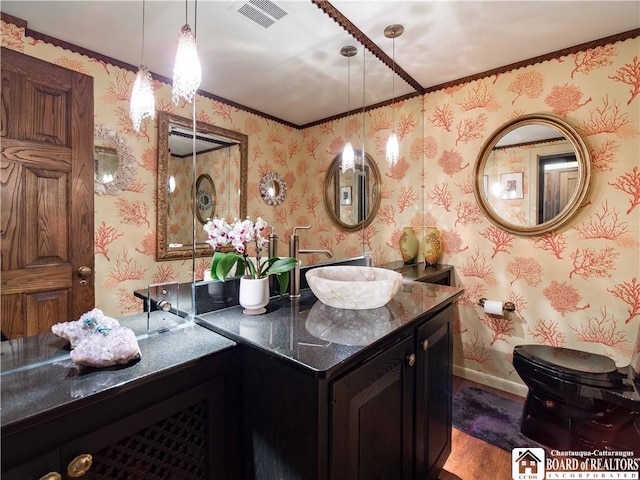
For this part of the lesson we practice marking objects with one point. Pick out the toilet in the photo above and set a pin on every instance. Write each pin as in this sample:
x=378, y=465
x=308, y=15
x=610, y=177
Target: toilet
x=578, y=400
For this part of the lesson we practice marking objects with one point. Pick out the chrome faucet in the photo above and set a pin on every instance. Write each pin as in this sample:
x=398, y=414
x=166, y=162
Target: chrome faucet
x=295, y=252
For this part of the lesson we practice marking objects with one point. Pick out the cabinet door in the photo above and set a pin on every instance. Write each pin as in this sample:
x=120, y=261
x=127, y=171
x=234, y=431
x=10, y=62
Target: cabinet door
x=181, y=437
x=36, y=468
x=434, y=372
x=371, y=427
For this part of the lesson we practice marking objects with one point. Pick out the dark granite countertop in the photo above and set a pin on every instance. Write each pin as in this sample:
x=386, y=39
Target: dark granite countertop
x=419, y=271
x=320, y=339
x=38, y=376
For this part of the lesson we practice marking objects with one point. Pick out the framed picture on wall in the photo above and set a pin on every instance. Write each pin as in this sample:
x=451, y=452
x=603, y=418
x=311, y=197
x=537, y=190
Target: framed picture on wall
x=345, y=195
x=511, y=186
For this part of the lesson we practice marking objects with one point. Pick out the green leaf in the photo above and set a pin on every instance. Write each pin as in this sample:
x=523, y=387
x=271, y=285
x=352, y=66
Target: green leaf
x=282, y=265
x=283, y=281
x=225, y=264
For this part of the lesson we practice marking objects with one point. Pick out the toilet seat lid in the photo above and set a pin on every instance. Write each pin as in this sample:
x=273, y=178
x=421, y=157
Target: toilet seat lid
x=568, y=359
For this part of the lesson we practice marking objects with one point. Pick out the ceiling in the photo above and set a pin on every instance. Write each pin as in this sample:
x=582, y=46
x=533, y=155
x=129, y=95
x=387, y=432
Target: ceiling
x=293, y=71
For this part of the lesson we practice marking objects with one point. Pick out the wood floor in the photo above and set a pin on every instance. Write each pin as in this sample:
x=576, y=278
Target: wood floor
x=472, y=458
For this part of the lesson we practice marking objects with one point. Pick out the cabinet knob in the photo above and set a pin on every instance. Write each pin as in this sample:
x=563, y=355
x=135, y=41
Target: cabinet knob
x=425, y=344
x=51, y=476
x=411, y=360
x=79, y=465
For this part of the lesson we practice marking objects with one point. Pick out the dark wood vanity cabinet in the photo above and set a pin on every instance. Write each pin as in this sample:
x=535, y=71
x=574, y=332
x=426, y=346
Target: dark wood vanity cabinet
x=391, y=417
x=387, y=417
x=372, y=417
x=183, y=425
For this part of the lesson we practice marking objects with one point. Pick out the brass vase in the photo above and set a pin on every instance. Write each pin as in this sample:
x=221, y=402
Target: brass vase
x=432, y=246
x=409, y=245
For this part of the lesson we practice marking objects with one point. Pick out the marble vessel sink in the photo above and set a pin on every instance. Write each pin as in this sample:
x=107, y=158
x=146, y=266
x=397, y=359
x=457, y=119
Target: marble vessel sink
x=352, y=287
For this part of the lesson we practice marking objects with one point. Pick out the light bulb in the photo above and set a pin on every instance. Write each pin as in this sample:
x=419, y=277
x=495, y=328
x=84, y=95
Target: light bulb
x=348, y=158
x=187, y=72
x=393, y=149
x=142, y=104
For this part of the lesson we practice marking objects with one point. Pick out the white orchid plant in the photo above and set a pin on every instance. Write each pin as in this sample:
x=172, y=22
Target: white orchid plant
x=239, y=234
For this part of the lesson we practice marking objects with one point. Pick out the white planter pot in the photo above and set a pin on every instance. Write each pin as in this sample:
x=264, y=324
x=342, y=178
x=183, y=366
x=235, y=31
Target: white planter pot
x=254, y=295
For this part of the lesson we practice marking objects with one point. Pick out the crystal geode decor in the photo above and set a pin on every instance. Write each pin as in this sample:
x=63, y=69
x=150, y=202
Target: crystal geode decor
x=98, y=341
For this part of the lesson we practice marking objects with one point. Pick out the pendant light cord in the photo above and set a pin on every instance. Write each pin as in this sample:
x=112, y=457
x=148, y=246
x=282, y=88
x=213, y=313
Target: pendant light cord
x=142, y=32
x=393, y=84
x=348, y=84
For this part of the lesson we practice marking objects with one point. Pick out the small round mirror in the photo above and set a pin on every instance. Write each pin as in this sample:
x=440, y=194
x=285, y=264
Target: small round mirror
x=273, y=189
x=205, y=197
x=352, y=198
x=532, y=174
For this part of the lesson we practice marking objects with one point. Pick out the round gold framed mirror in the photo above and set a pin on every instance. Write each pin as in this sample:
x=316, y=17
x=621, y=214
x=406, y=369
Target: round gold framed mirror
x=352, y=198
x=532, y=174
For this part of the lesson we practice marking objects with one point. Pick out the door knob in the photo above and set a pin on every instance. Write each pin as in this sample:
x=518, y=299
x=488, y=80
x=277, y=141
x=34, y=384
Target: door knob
x=79, y=465
x=425, y=344
x=84, y=272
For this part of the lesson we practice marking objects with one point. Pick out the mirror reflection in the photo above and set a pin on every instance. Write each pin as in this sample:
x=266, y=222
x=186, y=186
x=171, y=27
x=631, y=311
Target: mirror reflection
x=532, y=174
x=220, y=188
x=352, y=198
x=206, y=198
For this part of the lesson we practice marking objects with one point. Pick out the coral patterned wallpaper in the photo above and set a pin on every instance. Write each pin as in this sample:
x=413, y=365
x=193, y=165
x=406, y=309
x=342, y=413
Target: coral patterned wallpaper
x=578, y=287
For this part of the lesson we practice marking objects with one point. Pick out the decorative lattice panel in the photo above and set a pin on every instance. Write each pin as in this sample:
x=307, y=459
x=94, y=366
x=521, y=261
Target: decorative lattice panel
x=171, y=449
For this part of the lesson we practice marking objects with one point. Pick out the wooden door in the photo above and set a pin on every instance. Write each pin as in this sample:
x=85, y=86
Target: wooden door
x=371, y=418
x=46, y=183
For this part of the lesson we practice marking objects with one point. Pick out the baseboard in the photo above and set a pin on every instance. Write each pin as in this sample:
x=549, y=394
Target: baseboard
x=491, y=381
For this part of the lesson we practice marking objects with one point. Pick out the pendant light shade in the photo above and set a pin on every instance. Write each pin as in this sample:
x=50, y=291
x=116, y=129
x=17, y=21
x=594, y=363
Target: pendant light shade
x=393, y=147
x=142, y=103
x=187, y=72
x=348, y=158
x=348, y=155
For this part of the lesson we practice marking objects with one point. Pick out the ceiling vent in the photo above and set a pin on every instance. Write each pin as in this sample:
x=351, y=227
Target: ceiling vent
x=263, y=12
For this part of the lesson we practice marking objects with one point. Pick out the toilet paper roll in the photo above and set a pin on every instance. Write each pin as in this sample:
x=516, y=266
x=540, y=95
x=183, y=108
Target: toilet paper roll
x=493, y=307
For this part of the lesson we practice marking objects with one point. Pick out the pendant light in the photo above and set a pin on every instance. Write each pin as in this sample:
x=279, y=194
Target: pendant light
x=393, y=149
x=348, y=155
x=142, y=104
x=187, y=72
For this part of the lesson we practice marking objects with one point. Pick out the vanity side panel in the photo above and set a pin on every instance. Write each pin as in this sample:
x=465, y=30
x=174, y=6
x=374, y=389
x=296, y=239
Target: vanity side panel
x=434, y=383
x=281, y=436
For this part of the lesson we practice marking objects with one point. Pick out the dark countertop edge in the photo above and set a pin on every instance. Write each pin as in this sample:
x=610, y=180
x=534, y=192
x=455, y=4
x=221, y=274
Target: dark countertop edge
x=356, y=359
x=112, y=391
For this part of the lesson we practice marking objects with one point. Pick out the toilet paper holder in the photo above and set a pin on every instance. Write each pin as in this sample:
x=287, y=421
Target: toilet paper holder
x=507, y=306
